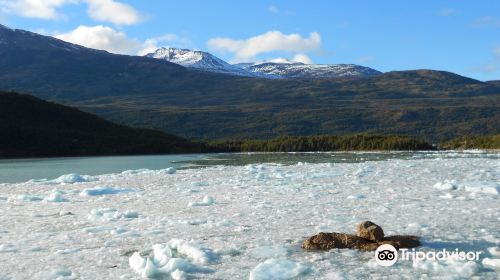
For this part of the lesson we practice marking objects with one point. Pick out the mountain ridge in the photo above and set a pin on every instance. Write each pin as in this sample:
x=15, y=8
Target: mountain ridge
x=146, y=92
x=205, y=61
x=197, y=59
x=300, y=70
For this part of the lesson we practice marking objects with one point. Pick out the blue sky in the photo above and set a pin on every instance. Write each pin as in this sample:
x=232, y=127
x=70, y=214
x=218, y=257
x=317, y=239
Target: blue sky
x=459, y=36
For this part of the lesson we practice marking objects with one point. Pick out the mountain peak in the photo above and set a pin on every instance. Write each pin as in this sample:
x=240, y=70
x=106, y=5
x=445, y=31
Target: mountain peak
x=197, y=59
x=292, y=70
x=184, y=57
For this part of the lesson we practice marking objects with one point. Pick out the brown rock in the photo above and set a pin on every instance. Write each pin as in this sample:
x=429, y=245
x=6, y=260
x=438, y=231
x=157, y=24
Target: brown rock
x=328, y=241
x=370, y=231
x=402, y=241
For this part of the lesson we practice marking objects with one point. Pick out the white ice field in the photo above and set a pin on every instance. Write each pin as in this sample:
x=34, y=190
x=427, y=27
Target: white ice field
x=248, y=222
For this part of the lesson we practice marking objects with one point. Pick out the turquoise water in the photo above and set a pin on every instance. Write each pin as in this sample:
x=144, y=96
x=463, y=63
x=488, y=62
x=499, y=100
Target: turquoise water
x=21, y=170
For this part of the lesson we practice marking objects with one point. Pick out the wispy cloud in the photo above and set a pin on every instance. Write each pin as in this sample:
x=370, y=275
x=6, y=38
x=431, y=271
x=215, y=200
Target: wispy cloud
x=485, y=68
x=273, y=9
x=365, y=59
x=487, y=21
x=276, y=10
x=446, y=12
x=248, y=49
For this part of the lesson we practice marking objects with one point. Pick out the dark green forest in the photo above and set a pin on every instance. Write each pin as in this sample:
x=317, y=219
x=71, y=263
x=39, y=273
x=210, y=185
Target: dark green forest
x=473, y=142
x=324, y=143
x=30, y=127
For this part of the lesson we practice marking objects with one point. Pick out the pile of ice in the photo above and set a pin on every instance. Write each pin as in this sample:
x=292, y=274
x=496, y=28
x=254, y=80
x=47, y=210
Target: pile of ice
x=56, y=196
x=72, y=178
x=110, y=214
x=95, y=191
x=144, y=171
x=207, y=201
x=494, y=259
x=176, y=259
x=25, y=197
x=486, y=187
x=53, y=196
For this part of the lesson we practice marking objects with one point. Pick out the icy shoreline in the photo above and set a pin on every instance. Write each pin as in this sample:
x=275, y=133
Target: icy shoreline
x=250, y=220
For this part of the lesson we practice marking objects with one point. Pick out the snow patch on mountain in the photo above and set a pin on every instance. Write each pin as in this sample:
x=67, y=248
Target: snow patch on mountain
x=298, y=70
x=197, y=59
x=273, y=69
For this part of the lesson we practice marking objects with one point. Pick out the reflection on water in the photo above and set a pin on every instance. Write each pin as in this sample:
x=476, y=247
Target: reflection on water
x=20, y=170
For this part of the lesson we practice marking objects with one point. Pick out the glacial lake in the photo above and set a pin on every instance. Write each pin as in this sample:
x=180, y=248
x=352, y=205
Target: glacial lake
x=20, y=170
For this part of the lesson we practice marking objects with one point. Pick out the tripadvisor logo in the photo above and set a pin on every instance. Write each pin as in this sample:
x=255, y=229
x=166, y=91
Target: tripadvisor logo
x=387, y=255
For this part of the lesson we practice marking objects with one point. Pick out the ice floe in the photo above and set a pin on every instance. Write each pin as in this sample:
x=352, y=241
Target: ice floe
x=6, y=248
x=176, y=259
x=491, y=262
x=71, y=179
x=452, y=269
x=95, y=191
x=447, y=185
x=278, y=269
x=110, y=214
x=206, y=201
x=55, y=196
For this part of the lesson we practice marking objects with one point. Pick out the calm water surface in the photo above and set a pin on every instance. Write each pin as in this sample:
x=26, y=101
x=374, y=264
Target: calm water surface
x=20, y=170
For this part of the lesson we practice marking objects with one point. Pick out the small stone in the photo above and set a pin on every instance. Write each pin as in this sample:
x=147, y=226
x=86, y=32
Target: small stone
x=370, y=231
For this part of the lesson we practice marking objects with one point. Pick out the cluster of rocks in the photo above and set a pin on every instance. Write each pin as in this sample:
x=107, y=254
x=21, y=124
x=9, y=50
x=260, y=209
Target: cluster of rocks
x=368, y=237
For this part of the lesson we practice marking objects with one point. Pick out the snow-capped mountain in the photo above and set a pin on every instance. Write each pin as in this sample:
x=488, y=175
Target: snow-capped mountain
x=298, y=70
x=284, y=69
x=199, y=60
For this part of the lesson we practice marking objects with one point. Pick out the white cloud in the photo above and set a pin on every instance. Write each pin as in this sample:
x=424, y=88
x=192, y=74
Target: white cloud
x=497, y=52
x=101, y=10
x=302, y=58
x=365, y=59
x=446, y=12
x=114, y=41
x=42, y=9
x=113, y=11
x=248, y=49
x=102, y=38
x=297, y=58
